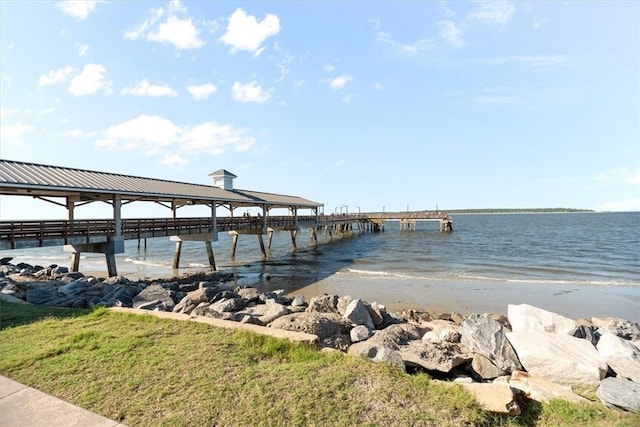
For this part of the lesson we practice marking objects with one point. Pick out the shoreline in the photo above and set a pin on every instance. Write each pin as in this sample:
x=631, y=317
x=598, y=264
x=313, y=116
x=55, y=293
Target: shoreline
x=441, y=296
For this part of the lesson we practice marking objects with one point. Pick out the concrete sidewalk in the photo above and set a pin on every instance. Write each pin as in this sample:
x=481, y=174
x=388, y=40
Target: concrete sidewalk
x=22, y=406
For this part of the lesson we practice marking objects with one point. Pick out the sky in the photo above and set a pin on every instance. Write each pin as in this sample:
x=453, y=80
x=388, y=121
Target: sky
x=361, y=106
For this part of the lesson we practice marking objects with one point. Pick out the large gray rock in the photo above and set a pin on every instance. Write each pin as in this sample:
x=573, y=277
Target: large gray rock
x=193, y=299
x=619, y=393
x=484, y=367
x=249, y=294
x=323, y=304
x=360, y=333
x=227, y=305
x=43, y=292
x=442, y=357
x=154, y=297
x=118, y=296
x=482, y=334
x=559, y=358
x=378, y=354
x=358, y=314
x=621, y=355
x=322, y=325
x=620, y=327
x=525, y=317
x=264, y=314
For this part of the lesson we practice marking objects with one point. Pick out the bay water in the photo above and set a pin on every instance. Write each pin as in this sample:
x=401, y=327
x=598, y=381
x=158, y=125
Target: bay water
x=575, y=264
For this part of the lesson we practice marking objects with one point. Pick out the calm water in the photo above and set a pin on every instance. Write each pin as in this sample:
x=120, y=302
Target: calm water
x=576, y=264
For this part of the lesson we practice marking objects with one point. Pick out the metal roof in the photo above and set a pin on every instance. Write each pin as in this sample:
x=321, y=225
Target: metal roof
x=31, y=179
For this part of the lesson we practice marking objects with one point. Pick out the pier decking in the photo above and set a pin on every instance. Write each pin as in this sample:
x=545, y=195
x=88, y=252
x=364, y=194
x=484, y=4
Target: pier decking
x=70, y=188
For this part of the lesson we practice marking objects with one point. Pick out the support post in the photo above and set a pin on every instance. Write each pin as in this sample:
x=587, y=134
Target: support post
x=294, y=233
x=212, y=261
x=314, y=236
x=264, y=253
x=234, y=243
x=75, y=261
x=176, y=255
x=270, y=236
x=111, y=265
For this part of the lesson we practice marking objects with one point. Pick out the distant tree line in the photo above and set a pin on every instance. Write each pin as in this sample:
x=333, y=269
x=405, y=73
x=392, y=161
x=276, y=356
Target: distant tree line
x=518, y=210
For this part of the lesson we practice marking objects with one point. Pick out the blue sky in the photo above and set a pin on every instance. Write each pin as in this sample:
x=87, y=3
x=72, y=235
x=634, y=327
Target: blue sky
x=361, y=104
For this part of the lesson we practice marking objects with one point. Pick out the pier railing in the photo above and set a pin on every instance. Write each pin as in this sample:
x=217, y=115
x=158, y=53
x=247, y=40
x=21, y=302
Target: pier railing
x=14, y=234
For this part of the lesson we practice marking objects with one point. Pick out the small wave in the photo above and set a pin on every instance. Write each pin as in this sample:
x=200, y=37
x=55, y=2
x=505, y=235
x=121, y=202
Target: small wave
x=550, y=281
x=383, y=274
x=148, y=263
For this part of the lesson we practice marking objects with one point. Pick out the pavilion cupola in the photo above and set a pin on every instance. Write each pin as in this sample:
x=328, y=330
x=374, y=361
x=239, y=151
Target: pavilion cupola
x=223, y=179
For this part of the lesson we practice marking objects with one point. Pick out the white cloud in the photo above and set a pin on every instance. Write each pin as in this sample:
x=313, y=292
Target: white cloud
x=182, y=33
x=532, y=60
x=15, y=131
x=250, y=92
x=144, y=133
x=340, y=81
x=76, y=133
x=6, y=112
x=79, y=9
x=55, y=76
x=329, y=67
x=175, y=161
x=537, y=23
x=82, y=48
x=144, y=88
x=202, y=91
x=493, y=100
x=416, y=47
x=452, y=33
x=157, y=136
x=244, y=32
x=214, y=138
x=283, y=65
x=378, y=86
x=91, y=80
x=620, y=176
x=348, y=98
x=493, y=11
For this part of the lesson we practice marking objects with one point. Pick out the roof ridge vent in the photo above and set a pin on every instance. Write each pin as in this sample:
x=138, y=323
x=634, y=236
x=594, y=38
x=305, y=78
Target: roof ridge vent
x=222, y=178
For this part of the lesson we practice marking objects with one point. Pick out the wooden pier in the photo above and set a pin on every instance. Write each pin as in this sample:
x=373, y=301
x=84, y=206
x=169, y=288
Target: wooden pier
x=71, y=188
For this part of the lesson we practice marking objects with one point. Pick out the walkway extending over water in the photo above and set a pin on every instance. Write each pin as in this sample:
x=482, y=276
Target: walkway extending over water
x=72, y=188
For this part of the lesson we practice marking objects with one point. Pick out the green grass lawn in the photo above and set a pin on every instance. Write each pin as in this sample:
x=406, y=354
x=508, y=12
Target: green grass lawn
x=142, y=370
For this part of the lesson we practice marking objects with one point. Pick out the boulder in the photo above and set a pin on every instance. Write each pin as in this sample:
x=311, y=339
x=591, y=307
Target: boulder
x=323, y=304
x=525, y=317
x=559, y=358
x=227, y=305
x=497, y=398
x=620, y=327
x=119, y=296
x=249, y=294
x=541, y=390
x=321, y=324
x=299, y=301
x=378, y=354
x=621, y=356
x=484, y=368
x=43, y=292
x=360, y=333
x=377, y=313
x=482, y=334
x=358, y=314
x=154, y=297
x=442, y=357
x=619, y=393
x=342, y=303
x=395, y=336
x=265, y=313
x=192, y=299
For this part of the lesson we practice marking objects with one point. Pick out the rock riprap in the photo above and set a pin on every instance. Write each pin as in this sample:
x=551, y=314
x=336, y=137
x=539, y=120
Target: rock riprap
x=540, y=354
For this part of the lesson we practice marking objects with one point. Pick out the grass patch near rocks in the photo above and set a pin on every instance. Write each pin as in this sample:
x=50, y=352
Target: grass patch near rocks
x=145, y=371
